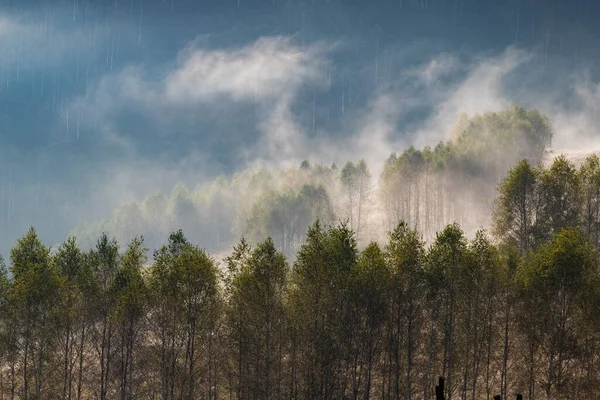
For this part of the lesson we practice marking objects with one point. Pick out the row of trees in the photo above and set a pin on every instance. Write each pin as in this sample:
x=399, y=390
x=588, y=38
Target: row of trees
x=255, y=203
x=453, y=181
x=536, y=202
x=456, y=180
x=382, y=322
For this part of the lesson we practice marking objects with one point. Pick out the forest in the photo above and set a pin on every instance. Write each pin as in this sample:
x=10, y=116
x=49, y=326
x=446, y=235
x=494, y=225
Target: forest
x=454, y=181
x=336, y=288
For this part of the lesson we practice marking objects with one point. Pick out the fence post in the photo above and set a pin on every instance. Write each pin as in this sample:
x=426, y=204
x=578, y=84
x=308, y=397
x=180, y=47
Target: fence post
x=439, y=390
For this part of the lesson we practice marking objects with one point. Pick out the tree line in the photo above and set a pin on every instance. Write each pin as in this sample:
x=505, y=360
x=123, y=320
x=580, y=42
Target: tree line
x=454, y=181
x=513, y=312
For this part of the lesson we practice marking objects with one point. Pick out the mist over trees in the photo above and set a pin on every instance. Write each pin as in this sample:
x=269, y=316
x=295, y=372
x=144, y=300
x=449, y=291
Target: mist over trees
x=455, y=181
x=515, y=313
x=303, y=306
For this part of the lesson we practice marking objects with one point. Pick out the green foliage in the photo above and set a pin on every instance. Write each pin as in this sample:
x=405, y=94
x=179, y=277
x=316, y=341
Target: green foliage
x=405, y=253
x=516, y=312
x=256, y=317
x=371, y=280
x=286, y=216
x=567, y=262
x=129, y=286
x=589, y=178
x=427, y=187
x=337, y=325
x=560, y=192
x=447, y=256
x=517, y=207
x=557, y=285
x=534, y=204
x=321, y=299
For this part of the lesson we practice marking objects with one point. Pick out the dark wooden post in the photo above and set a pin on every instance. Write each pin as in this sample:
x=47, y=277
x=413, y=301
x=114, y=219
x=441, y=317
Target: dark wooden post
x=439, y=390
x=519, y=396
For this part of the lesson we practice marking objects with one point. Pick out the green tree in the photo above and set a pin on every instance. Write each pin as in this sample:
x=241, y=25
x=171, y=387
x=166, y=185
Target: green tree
x=130, y=294
x=370, y=297
x=198, y=299
x=560, y=197
x=447, y=257
x=405, y=257
x=321, y=307
x=105, y=262
x=165, y=318
x=257, y=302
x=35, y=295
x=8, y=334
x=560, y=275
x=185, y=305
x=70, y=262
x=516, y=207
x=589, y=176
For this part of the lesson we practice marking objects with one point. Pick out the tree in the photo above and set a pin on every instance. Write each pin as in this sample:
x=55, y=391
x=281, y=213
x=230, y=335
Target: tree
x=105, y=263
x=517, y=206
x=479, y=292
x=560, y=197
x=370, y=297
x=198, y=296
x=405, y=257
x=355, y=180
x=130, y=294
x=185, y=308
x=589, y=176
x=35, y=294
x=560, y=276
x=8, y=334
x=257, y=301
x=70, y=262
x=446, y=259
x=165, y=318
x=285, y=217
x=320, y=305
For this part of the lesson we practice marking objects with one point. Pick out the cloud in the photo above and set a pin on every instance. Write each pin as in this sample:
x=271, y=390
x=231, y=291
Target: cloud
x=438, y=68
x=577, y=123
x=271, y=72
x=268, y=73
x=269, y=68
x=27, y=43
x=483, y=89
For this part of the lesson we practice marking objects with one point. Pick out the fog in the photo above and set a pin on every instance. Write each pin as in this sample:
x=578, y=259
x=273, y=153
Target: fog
x=105, y=103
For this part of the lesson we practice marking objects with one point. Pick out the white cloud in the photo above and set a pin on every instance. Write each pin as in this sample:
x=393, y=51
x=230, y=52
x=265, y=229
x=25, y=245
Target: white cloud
x=482, y=90
x=577, y=124
x=439, y=67
x=43, y=44
x=267, y=68
x=268, y=72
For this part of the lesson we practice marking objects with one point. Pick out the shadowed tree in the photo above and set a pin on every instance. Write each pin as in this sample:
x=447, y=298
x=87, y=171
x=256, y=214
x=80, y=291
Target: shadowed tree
x=130, y=308
x=257, y=300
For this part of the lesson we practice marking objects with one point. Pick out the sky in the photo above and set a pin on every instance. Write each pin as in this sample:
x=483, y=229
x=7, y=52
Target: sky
x=103, y=102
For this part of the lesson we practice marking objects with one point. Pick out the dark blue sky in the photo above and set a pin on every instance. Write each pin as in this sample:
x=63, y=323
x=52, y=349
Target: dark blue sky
x=105, y=101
